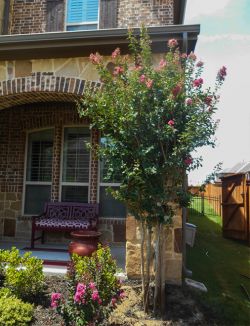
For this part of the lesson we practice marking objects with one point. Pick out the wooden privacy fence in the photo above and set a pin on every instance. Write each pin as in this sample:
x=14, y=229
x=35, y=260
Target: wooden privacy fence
x=235, y=207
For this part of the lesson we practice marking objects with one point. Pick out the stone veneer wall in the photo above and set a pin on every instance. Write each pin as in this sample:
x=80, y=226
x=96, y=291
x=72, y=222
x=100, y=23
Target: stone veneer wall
x=29, y=16
x=173, y=249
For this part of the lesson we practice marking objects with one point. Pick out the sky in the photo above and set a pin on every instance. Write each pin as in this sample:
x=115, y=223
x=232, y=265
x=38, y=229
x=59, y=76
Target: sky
x=224, y=40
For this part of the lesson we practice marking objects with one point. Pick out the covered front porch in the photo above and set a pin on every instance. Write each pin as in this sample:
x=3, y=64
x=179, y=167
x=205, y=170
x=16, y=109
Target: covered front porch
x=45, y=158
x=57, y=259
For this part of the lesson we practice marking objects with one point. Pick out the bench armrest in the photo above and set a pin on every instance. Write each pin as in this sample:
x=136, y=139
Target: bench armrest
x=37, y=216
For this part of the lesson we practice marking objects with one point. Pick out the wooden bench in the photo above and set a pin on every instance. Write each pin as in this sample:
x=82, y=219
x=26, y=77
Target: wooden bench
x=59, y=216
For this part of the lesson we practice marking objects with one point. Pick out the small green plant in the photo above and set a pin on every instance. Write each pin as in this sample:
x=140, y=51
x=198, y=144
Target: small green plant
x=23, y=275
x=14, y=312
x=94, y=290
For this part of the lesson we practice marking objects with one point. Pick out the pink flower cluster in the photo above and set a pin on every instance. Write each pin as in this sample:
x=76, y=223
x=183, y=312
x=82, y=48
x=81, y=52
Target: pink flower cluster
x=171, y=123
x=192, y=56
x=222, y=73
x=189, y=101
x=95, y=58
x=188, y=160
x=208, y=100
x=96, y=297
x=200, y=64
x=198, y=82
x=148, y=82
x=172, y=43
x=162, y=64
x=55, y=298
x=176, y=90
x=118, y=70
x=116, y=53
x=81, y=291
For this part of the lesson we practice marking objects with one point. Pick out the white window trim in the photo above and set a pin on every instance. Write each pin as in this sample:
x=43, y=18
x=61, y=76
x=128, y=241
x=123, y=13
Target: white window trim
x=66, y=24
x=62, y=183
x=25, y=168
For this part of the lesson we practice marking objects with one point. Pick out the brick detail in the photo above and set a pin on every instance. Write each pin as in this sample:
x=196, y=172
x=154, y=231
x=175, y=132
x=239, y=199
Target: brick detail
x=42, y=87
x=94, y=168
x=134, y=13
x=56, y=164
x=28, y=16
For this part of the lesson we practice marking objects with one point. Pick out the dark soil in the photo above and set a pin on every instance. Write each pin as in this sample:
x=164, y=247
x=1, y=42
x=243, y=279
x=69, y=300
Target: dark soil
x=182, y=309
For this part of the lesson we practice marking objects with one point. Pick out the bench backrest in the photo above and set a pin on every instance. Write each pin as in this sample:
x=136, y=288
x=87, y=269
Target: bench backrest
x=71, y=211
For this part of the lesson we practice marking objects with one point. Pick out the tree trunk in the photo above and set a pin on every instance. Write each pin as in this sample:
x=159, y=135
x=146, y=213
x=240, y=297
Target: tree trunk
x=163, y=278
x=157, y=292
x=142, y=256
x=148, y=265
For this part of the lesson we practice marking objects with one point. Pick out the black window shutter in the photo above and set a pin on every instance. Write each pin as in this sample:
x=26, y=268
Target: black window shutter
x=55, y=15
x=6, y=17
x=108, y=14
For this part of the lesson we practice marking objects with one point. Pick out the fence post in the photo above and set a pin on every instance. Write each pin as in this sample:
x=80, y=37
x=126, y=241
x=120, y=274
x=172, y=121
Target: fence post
x=220, y=204
x=202, y=204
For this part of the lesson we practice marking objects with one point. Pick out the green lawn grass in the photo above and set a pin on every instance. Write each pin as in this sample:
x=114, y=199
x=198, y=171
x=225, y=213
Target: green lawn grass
x=219, y=263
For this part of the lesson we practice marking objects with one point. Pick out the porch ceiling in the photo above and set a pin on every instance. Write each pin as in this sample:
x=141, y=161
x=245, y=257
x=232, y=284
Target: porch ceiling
x=33, y=97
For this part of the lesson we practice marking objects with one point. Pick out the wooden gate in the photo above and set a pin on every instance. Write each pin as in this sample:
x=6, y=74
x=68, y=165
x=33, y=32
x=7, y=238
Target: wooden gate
x=235, y=207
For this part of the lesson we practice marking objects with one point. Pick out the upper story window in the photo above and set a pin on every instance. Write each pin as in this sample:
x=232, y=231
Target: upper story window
x=82, y=15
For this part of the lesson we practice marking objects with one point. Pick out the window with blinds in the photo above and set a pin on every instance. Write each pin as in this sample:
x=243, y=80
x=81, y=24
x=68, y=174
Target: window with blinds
x=76, y=160
x=82, y=14
x=38, y=171
x=109, y=207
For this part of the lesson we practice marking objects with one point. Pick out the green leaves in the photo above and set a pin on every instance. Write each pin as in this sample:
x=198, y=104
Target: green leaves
x=154, y=115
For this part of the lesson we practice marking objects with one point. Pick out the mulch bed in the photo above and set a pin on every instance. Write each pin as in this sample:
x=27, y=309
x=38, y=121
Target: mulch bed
x=182, y=308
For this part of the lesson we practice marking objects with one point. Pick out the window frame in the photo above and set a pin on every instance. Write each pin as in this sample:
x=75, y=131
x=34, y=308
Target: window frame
x=66, y=24
x=63, y=183
x=25, y=182
x=105, y=184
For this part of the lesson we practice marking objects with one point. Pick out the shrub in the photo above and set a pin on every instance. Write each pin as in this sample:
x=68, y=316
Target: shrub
x=94, y=290
x=14, y=312
x=23, y=275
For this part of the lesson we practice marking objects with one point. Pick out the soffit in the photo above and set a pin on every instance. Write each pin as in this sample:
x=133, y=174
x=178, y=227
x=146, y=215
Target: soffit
x=79, y=44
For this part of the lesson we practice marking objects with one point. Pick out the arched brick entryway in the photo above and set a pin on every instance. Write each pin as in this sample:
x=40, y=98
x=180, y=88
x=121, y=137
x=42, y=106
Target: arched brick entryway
x=42, y=87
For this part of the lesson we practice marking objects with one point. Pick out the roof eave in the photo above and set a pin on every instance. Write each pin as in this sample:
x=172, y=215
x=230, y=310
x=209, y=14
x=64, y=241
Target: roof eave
x=81, y=43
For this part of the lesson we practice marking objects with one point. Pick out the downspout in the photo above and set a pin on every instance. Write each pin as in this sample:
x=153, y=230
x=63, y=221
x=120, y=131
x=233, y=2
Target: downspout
x=185, y=186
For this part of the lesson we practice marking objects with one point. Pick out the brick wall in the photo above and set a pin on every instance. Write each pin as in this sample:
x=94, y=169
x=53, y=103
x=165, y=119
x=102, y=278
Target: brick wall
x=14, y=124
x=28, y=16
x=132, y=13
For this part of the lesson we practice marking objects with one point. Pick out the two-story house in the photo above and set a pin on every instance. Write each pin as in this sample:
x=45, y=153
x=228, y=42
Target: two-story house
x=44, y=68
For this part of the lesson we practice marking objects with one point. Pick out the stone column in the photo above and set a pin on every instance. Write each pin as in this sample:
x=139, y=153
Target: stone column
x=94, y=168
x=173, y=246
x=55, y=187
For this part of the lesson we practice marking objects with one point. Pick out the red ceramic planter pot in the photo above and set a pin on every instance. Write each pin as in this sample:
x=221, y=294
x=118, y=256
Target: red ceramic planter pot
x=84, y=242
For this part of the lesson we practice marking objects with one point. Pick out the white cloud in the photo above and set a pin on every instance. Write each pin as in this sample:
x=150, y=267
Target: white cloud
x=197, y=8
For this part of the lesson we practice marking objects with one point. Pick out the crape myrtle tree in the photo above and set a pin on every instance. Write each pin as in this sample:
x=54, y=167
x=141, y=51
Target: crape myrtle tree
x=152, y=117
